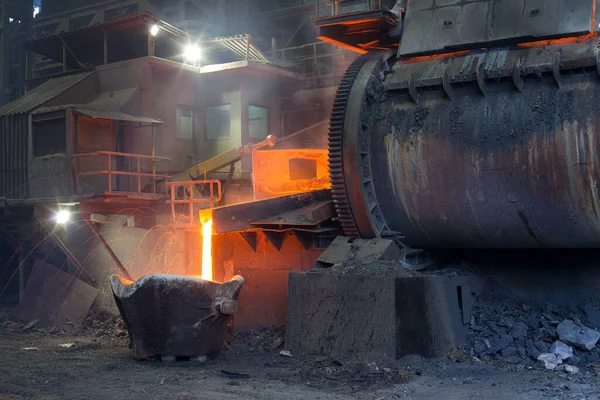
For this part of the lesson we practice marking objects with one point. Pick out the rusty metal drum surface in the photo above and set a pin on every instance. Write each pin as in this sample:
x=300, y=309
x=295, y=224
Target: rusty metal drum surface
x=493, y=149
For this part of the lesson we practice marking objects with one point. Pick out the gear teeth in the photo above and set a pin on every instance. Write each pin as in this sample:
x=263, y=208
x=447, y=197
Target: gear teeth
x=336, y=136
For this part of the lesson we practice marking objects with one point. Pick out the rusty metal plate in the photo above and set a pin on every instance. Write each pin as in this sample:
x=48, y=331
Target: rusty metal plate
x=343, y=249
x=54, y=297
x=454, y=24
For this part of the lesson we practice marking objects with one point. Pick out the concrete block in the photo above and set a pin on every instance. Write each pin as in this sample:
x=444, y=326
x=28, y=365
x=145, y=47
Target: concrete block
x=381, y=317
x=344, y=249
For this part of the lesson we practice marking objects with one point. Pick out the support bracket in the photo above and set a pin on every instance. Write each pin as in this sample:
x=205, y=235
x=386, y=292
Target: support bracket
x=517, y=79
x=275, y=237
x=480, y=74
x=109, y=250
x=250, y=238
x=556, y=69
x=412, y=88
x=447, y=84
x=306, y=239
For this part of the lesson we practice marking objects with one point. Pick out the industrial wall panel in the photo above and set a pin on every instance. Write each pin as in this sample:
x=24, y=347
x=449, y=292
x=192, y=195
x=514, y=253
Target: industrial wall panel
x=454, y=25
x=13, y=156
x=51, y=177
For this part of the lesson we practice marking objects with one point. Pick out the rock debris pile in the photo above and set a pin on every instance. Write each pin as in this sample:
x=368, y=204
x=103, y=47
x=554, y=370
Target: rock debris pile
x=264, y=340
x=556, y=337
x=108, y=326
x=104, y=327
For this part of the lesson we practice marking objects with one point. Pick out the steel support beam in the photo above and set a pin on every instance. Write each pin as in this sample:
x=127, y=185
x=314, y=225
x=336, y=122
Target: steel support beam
x=238, y=217
x=110, y=252
x=65, y=249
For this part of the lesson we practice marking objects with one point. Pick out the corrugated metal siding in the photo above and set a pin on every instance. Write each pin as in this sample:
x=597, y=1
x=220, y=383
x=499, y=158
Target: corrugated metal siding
x=116, y=116
x=14, y=131
x=13, y=156
x=43, y=93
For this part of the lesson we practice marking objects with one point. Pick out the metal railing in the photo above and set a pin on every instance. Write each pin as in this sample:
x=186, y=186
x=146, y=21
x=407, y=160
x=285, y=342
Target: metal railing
x=110, y=172
x=205, y=192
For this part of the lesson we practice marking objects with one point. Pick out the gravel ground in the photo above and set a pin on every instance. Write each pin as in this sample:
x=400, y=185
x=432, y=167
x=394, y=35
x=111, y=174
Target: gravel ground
x=98, y=365
x=392, y=269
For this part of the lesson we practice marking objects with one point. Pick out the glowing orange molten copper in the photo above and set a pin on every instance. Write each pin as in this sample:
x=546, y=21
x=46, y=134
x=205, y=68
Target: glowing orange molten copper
x=207, y=267
x=288, y=171
x=552, y=42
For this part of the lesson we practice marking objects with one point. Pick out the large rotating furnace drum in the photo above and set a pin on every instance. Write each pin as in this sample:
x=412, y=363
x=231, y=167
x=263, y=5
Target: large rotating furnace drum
x=483, y=149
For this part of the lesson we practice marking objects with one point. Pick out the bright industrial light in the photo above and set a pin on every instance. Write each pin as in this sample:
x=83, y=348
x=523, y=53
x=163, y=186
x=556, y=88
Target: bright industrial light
x=154, y=30
x=62, y=217
x=192, y=53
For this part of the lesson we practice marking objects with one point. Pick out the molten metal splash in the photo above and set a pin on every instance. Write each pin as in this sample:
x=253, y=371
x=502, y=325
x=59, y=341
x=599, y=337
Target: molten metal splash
x=207, y=270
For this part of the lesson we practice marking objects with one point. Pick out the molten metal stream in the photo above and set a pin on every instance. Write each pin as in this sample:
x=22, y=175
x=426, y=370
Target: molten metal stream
x=207, y=270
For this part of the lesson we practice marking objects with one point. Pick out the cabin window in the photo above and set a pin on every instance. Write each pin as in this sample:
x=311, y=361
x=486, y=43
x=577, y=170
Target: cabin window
x=185, y=122
x=258, y=122
x=49, y=137
x=218, y=122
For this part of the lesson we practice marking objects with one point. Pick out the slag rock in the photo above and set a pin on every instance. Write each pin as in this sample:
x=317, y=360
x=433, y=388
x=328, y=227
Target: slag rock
x=561, y=350
x=551, y=361
x=578, y=335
